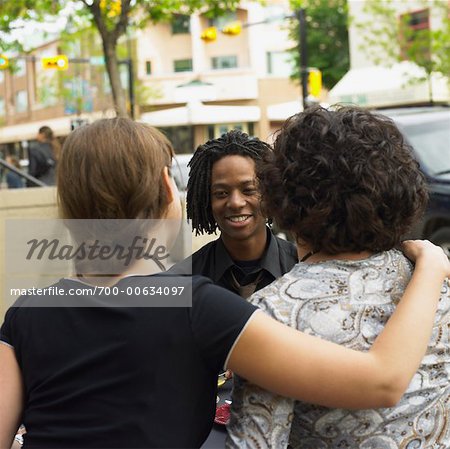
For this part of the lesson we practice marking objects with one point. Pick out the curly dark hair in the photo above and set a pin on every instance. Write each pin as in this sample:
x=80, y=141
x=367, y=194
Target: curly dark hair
x=343, y=180
x=198, y=200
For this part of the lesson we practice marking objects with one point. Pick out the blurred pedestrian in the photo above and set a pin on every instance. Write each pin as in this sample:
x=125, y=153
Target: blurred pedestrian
x=43, y=155
x=13, y=180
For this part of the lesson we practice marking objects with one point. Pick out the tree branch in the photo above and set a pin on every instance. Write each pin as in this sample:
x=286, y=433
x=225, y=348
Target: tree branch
x=122, y=24
x=97, y=15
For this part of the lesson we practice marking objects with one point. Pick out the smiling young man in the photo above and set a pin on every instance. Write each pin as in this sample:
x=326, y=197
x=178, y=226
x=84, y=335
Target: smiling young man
x=223, y=194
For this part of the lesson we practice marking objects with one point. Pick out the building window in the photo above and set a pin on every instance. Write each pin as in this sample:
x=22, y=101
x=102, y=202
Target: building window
x=106, y=84
x=181, y=137
x=180, y=24
x=225, y=19
x=418, y=20
x=72, y=49
x=415, y=35
x=215, y=131
x=224, y=62
x=21, y=101
x=275, y=11
x=2, y=106
x=182, y=65
x=21, y=67
x=124, y=77
x=47, y=88
x=148, y=67
x=279, y=63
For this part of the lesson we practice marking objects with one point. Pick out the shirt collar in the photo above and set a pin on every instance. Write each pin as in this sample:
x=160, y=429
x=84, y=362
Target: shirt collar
x=270, y=260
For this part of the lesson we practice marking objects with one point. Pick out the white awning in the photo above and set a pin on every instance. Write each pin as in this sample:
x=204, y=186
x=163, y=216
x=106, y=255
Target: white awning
x=281, y=111
x=196, y=113
x=28, y=131
x=379, y=86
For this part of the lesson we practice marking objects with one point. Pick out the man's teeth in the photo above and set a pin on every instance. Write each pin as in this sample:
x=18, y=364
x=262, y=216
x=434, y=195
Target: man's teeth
x=238, y=219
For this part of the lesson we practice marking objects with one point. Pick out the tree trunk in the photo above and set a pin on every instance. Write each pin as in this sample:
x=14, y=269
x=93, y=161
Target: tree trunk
x=430, y=87
x=112, y=67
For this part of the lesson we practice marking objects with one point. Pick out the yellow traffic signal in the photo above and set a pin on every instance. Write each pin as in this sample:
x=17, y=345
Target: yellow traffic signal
x=209, y=34
x=315, y=82
x=113, y=8
x=233, y=28
x=4, y=62
x=59, y=62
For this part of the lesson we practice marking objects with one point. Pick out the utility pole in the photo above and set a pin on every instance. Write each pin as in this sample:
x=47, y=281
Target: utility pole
x=131, y=87
x=129, y=62
x=302, y=48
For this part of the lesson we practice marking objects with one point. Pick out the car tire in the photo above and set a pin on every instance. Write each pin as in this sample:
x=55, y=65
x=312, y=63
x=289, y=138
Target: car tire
x=442, y=238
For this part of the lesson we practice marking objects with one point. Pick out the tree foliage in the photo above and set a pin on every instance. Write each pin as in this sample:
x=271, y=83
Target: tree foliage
x=389, y=36
x=110, y=18
x=327, y=38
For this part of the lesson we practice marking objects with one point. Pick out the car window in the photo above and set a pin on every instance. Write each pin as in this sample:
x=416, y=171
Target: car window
x=431, y=143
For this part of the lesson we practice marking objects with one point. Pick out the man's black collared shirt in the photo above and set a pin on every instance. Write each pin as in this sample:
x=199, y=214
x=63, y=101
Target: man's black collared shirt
x=214, y=262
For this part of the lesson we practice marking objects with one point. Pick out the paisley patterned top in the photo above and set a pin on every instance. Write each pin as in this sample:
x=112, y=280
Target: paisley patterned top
x=347, y=302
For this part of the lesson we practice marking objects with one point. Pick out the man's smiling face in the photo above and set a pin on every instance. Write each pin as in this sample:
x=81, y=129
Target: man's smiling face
x=235, y=199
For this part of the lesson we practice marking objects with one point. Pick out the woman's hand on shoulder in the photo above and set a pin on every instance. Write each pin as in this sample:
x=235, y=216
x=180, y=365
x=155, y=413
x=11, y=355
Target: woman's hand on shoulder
x=427, y=255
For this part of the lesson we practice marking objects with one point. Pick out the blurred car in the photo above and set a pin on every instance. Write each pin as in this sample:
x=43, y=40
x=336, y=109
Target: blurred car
x=180, y=170
x=427, y=129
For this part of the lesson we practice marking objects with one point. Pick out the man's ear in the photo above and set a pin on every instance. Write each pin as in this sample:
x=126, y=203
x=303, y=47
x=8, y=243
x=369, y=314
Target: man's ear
x=168, y=184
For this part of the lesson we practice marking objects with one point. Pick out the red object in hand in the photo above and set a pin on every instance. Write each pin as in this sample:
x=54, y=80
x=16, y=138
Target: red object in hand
x=222, y=414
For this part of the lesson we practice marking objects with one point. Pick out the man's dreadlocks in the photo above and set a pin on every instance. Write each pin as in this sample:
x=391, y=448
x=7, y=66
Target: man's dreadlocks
x=198, y=201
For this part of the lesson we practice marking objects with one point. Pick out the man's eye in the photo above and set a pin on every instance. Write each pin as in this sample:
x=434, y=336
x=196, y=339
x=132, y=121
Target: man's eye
x=250, y=191
x=220, y=194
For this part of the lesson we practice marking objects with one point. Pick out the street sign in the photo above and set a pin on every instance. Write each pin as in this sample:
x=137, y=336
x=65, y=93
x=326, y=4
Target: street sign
x=97, y=60
x=59, y=62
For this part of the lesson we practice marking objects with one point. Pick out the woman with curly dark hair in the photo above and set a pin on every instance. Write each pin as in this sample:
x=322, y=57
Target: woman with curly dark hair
x=346, y=185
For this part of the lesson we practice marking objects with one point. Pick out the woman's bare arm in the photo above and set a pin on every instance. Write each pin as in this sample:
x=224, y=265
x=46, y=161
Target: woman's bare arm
x=11, y=396
x=294, y=364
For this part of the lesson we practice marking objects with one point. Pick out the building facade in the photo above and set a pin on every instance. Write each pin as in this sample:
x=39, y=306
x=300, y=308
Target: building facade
x=190, y=88
x=385, y=76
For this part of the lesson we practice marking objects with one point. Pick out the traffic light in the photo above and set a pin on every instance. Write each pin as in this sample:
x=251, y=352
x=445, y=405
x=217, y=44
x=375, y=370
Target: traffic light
x=209, y=34
x=59, y=62
x=233, y=28
x=4, y=62
x=113, y=8
x=314, y=82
